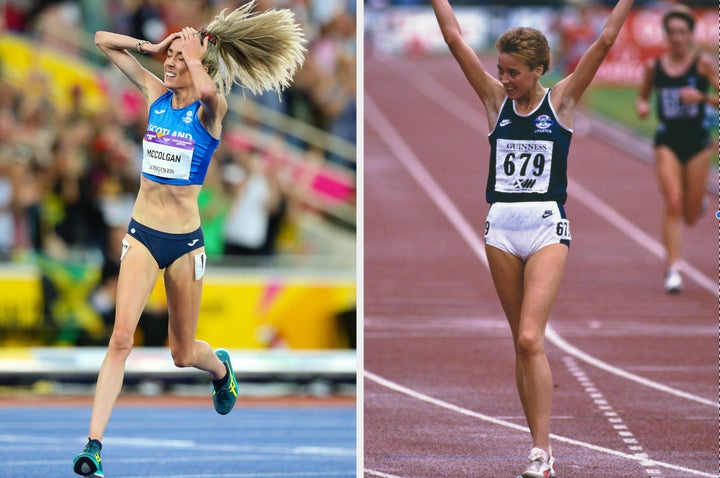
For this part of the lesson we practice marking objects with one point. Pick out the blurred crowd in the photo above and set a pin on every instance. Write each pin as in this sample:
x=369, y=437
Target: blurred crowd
x=68, y=176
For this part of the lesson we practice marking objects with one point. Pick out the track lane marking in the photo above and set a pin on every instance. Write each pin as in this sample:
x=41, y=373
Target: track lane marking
x=570, y=349
x=380, y=474
x=643, y=460
x=644, y=240
x=613, y=417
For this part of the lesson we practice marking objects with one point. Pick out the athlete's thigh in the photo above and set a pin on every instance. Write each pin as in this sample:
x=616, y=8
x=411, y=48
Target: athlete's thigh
x=507, y=273
x=670, y=174
x=696, y=174
x=136, y=280
x=183, y=290
x=543, y=275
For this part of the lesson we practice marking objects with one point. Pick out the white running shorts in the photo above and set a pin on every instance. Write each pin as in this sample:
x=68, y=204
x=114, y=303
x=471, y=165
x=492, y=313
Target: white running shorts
x=523, y=228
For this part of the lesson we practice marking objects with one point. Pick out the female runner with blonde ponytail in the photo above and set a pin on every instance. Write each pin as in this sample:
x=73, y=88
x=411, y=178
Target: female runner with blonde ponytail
x=260, y=52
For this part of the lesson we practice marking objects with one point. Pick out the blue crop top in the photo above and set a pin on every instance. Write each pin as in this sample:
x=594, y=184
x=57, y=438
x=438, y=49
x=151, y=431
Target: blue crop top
x=176, y=147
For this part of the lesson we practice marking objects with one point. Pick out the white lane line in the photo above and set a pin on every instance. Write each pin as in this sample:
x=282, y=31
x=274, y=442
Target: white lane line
x=381, y=475
x=167, y=444
x=404, y=154
x=561, y=343
x=407, y=158
x=643, y=460
x=613, y=417
x=617, y=220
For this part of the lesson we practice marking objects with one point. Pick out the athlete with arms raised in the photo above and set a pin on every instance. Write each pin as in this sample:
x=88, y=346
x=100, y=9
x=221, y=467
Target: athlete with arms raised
x=527, y=234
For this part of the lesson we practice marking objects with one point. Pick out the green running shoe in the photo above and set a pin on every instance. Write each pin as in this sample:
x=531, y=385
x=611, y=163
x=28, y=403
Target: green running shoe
x=88, y=463
x=224, y=396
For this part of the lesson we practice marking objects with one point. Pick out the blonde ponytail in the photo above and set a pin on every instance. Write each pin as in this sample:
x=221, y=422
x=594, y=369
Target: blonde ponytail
x=259, y=51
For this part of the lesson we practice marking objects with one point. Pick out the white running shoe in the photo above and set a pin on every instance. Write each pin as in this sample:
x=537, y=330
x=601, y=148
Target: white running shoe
x=541, y=465
x=673, y=281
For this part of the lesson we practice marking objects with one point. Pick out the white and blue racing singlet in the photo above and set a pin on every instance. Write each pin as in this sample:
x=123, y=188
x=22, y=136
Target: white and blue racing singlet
x=528, y=155
x=176, y=147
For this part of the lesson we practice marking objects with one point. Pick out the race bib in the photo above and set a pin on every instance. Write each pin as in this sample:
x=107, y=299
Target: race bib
x=523, y=166
x=562, y=229
x=167, y=156
x=673, y=108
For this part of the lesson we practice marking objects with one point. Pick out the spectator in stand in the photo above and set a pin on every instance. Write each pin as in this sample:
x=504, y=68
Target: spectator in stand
x=106, y=169
x=145, y=20
x=7, y=222
x=253, y=200
x=275, y=174
x=21, y=171
x=328, y=80
x=214, y=204
x=577, y=33
x=341, y=108
x=80, y=224
x=27, y=183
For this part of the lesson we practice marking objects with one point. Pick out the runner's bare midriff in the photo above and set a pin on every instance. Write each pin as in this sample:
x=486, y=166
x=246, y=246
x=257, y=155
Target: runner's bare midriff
x=167, y=208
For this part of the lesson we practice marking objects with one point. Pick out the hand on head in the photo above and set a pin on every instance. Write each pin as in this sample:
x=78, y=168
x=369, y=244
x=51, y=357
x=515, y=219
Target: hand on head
x=191, y=45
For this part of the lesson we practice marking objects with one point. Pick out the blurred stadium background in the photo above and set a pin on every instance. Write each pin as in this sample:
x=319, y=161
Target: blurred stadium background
x=408, y=27
x=283, y=297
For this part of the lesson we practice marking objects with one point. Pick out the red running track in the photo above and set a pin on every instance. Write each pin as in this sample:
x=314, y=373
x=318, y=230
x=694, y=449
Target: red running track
x=635, y=370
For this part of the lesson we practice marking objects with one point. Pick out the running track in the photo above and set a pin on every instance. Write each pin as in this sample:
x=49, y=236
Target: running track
x=635, y=370
x=172, y=437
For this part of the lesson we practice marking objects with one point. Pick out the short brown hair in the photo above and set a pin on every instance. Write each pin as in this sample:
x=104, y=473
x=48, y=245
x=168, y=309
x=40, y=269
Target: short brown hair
x=683, y=13
x=527, y=44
